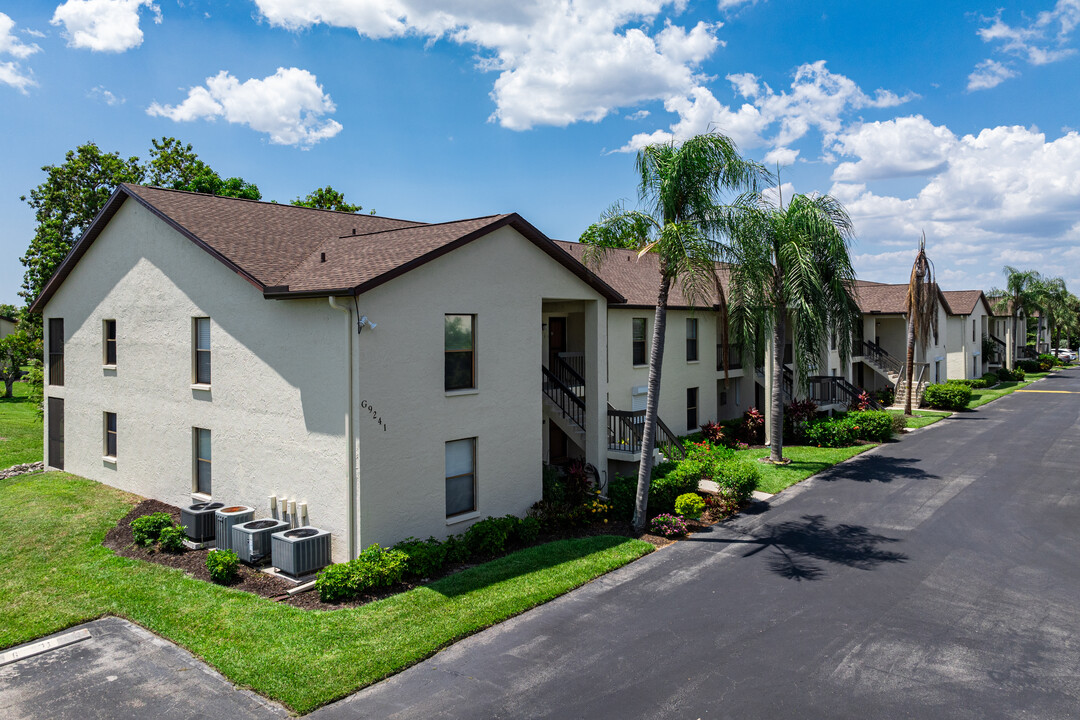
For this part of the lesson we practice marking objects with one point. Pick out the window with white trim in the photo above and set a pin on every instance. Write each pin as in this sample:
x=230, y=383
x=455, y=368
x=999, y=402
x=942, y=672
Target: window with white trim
x=460, y=477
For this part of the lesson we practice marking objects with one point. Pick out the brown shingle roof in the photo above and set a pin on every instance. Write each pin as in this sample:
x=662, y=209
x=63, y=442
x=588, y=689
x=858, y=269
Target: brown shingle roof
x=878, y=298
x=638, y=279
x=280, y=248
x=963, y=302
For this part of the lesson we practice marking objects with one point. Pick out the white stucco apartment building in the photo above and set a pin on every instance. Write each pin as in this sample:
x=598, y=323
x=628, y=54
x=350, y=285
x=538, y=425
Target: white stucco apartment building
x=203, y=347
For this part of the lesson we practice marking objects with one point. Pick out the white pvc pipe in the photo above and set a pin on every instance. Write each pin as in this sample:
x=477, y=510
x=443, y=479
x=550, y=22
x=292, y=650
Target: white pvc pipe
x=349, y=437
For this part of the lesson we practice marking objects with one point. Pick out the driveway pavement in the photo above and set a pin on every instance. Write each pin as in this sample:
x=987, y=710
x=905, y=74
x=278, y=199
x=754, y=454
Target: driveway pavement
x=937, y=577
x=121, y=671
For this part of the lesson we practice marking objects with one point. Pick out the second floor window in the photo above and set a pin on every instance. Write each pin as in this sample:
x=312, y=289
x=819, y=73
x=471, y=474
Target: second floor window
x=460, y=351
x=56, y=351
x=639, y=341
x=691, y=339
x=202, y=351
x=110, y=342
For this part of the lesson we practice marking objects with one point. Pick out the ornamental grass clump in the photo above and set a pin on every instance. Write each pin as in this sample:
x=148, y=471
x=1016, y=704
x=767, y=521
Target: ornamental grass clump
x=667, y=525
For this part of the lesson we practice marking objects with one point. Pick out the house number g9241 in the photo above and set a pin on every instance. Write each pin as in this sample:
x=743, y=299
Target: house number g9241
x=374, y=415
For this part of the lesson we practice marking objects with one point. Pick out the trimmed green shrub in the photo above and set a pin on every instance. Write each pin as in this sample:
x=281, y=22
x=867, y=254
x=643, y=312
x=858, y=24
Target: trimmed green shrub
x=374, y=567
x=872, y=425
x=947, y=396
x=488, y=536
x=147, y=529
x=991, y=379
x=1030, y=366
x=689, y=505
x=554, y=491
x=832, y=432
x=961, y=381
x=422, y=557
x=171, y=539
x=1006, y=374
x=525, y=531
x=622, y=493
x=457, y=550
x=899, y=423
x=1046, y=361
x=737, y=478
x=223, y=565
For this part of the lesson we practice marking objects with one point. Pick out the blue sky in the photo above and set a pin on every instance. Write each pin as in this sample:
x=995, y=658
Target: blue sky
x=956, y=118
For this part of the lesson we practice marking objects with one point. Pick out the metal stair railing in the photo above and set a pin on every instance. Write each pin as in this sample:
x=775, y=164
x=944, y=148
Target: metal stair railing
x=834, y=390
x=569, y=375
x=568, y=402
x=878, y=356
x=575, y=361
x=625, y=429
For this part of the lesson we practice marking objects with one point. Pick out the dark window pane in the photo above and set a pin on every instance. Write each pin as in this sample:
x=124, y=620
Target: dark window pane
x=459, y=370
x=460, y=495
x=110, y=342
x=202, y=367
x=691, y=408
x=110, y=434
x=459, y=332
x=639, y=341
x=202, y=463
x=56, y=351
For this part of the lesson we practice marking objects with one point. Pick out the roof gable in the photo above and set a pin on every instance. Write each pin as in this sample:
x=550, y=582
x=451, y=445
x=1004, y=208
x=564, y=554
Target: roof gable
x=288, y=251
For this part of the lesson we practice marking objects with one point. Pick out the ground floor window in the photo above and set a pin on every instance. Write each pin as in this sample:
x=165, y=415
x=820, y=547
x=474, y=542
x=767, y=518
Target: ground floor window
x=460, y=476
x=691, y=409
x=201, y=441
x=110, y=435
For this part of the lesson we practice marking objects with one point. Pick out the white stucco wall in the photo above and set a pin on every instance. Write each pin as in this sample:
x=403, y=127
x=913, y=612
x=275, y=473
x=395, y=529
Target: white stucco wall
x=965, y=358
x=277, y=404
x=274, y=408
x=677, y=374
x=503, y=279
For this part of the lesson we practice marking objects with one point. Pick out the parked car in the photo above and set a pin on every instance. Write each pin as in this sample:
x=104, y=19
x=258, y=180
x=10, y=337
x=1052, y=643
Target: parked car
x=1065, y=354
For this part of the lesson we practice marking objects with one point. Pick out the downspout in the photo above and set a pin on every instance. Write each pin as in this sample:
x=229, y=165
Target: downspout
x=349, y=436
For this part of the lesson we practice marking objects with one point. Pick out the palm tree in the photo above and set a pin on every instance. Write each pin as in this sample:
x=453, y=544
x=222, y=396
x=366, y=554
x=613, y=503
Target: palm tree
x=1051, y=295
x=1020, y=293
x=922, y=312
x=681, y=221
x=791, y=261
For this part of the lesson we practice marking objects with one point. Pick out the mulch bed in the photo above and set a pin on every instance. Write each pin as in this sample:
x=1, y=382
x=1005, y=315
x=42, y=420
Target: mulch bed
x=120, y=540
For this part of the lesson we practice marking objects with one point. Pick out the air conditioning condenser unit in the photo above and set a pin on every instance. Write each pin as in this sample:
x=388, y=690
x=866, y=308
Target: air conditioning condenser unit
x=301, y=551
x=198, y=520
x=226, y=518
x=251, y=540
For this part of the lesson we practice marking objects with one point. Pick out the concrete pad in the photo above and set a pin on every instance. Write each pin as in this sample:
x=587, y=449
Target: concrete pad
x=121, y=671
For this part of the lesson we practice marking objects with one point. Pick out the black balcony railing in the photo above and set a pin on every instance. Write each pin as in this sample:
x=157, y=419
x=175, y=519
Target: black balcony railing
x=625, y=428
x=878, y=356
x=831, y=390
x=734, y=357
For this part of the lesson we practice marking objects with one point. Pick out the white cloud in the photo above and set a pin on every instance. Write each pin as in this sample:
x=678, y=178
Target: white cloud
x=559, y=61
x=34, y=33
x=894, y=148
x=781, y=156
x=817, y=99
x=103, y=25
x=288, y=106
x=11, y=71
x=989, y=74
x=1005, y=195
x=106, y=96
x=638, y=115
x=1041, y=41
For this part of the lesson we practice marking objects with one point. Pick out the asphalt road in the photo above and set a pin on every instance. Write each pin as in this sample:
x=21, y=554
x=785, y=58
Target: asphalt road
x=937, y=577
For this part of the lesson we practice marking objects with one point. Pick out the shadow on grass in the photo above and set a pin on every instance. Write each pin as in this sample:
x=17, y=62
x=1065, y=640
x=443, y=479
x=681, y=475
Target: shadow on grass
x=798, y=548
x=523, y=562
x=876, y=468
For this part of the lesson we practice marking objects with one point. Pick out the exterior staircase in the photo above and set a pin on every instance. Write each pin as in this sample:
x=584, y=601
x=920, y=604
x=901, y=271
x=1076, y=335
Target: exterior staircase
x=919, y=384
x=564, y=403
x=881, y=361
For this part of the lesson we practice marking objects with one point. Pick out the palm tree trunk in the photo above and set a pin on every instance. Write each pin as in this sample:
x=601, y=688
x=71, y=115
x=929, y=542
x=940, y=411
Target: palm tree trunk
x=648, y=434
x=776, y=419
x=910, y=368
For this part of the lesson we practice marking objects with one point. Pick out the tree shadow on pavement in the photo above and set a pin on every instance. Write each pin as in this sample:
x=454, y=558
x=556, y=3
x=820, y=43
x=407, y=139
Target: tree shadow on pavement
x=876, y=468
x=799, y=548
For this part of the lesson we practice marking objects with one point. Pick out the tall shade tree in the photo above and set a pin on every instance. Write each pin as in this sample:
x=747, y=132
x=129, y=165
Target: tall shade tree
x=922, y=313
x=791, y=262
x=65, y=203
x=328, y=198
x=681, y=220
x=1020, y=293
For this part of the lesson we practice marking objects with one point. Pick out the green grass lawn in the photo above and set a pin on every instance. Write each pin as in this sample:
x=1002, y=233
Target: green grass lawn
x=985, y=395
x=805, y=461
x=922, y=418
x=20, y=430
x=298, y=657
